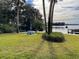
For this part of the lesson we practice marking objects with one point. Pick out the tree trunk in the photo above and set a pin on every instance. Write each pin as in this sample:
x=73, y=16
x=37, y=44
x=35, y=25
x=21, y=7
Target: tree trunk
x=52, y=14
x=44, y=12
x=17, y=22
x=50, y=19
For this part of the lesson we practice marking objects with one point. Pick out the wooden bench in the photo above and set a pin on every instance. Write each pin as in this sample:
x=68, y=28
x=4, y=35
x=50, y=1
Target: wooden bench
x=73, y=31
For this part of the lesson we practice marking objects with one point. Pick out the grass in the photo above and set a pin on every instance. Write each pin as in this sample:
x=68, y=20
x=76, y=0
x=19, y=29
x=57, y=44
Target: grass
x=23, y=46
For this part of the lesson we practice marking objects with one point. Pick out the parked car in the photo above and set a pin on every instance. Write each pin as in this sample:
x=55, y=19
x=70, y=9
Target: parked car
x=30, y=32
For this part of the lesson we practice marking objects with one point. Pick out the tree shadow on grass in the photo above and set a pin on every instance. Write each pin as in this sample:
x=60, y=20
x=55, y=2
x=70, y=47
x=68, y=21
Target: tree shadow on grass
x=70, y=52
x=32, y=54
x=36, y=51
x=51, y=50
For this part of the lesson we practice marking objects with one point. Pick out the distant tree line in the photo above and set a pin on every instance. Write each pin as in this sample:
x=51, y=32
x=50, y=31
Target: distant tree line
x=58, y=24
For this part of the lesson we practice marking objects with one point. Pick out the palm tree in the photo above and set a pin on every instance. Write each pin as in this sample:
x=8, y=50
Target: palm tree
x=17, y=4
x=50, y=18
x=18, y=12
x=44, y=12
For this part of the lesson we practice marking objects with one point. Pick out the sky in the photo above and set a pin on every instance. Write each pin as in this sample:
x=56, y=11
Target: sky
x=64, y=10
x=29, y=1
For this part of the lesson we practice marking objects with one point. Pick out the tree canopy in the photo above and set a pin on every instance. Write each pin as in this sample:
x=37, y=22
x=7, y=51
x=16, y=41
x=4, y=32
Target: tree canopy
x=28, y=15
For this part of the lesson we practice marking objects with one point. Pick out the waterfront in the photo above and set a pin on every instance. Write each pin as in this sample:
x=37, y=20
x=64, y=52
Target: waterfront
x=63, y=29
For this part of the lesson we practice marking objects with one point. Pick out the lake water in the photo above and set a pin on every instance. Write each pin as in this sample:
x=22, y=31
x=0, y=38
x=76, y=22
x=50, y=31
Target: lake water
x=69, y=21
x=63, y=29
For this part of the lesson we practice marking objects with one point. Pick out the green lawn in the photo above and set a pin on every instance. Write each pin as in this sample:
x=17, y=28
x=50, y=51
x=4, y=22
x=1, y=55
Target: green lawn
x=22, y=46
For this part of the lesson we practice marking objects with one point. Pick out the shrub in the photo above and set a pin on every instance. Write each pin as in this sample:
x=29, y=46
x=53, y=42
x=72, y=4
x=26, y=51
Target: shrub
x=7, y=28
x=54, y=37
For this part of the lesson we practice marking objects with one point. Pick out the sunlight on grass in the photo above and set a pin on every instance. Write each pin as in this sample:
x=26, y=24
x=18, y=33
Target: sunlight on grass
x=23, y=46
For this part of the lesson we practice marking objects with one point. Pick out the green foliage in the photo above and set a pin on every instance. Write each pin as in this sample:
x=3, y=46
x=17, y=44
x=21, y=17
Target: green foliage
x=54, y=37
x=38, y=25
x=35, y=20
x=6, y=28
x=28, y=15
